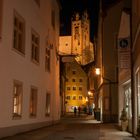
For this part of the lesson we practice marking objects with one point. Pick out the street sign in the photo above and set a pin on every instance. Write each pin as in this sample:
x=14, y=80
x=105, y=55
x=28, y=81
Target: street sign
x=124, y=53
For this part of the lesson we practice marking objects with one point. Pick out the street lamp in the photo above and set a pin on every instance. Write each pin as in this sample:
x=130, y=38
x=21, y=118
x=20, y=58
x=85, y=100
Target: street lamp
x=97, y=71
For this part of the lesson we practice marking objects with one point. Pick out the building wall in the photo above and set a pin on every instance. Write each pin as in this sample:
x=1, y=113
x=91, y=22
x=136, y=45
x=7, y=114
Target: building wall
x=136, y=62
x=65, y=45
x=15, y=66
x=79, y=74
x=107, y=61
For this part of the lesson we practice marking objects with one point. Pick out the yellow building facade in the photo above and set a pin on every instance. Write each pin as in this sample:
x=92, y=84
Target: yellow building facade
x=76, y=86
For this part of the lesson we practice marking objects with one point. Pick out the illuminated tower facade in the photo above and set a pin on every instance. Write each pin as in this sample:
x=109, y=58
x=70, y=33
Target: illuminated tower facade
x=81, y=37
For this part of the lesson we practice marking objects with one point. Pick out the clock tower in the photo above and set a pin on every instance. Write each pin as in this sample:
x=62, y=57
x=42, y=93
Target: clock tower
x=80, y=35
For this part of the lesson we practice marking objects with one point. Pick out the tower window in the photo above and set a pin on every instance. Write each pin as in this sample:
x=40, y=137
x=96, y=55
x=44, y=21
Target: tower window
x=73, y=72
x=73, y=80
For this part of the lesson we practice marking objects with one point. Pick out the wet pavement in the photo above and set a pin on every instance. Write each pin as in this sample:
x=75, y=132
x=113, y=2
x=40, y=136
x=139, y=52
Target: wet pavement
x=75, y=128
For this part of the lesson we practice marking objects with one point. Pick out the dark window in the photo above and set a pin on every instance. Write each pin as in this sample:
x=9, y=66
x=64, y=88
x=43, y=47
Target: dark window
x=73, y=72
x=80, y=88
x=19, y=33
x=68, y=88
x=35, y=47
x=74, y=88
x=68, y=97
x=73, y=80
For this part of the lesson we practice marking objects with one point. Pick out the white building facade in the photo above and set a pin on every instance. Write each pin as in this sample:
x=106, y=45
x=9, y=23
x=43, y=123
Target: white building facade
x=29, y=85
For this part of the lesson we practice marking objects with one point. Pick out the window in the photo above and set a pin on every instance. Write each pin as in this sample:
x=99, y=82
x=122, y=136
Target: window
x=73, y=80
x=35, y=47
x=74, y=88
x=80, y=80
x=48, y=104
x=80, y=97
x=37, y=2
x=17, y=99
x=33, y=102
x=53, y=19
x=19, y=34
x=47, y=59
x=80, y=88
x=74, y=97
x=68, y=88
x=67, y=79
x=68, y=97
x=73, y=72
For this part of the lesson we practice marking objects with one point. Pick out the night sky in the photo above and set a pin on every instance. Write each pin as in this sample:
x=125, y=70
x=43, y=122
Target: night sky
x=71, y=6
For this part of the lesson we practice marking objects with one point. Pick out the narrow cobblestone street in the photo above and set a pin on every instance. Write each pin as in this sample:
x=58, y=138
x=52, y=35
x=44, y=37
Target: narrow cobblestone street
x=75, y=128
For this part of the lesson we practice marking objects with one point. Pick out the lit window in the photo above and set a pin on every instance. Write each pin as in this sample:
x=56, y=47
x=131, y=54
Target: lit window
x=17, y=99
x=33, y=102
x=47, y=59
x=80, y=97
x=19, y=34
x=35, y=47
x=48, y=104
